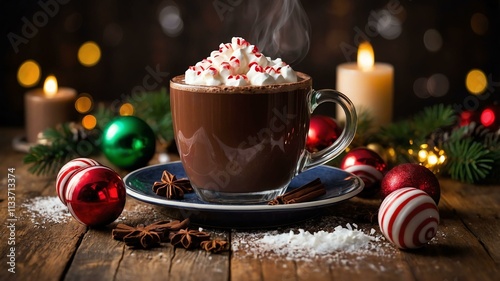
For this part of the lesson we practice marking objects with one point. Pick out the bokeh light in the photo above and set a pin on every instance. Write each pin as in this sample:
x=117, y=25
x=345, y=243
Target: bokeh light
x=170, y=20
x=126, y=109
x=476, y=81
x=430, y=157
x=73, y=22
x=438, y=85
x=28, y=73
x=388, y=25
x=433, y=40
x=479, y=23
x=112, y=34
x=84, y=103
x=488, y=117
x=89, y=53
x=420, y=88
x=466, y=117
x=340, y=8
x=89, y=122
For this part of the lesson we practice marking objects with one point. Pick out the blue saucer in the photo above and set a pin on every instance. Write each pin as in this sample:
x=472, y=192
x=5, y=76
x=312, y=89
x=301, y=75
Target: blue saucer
x=340, y=186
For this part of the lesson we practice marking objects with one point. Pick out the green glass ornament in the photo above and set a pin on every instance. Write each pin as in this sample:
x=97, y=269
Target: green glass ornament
x=128, y=142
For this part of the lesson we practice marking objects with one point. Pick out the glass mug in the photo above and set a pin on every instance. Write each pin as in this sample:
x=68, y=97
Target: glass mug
x=243, y=145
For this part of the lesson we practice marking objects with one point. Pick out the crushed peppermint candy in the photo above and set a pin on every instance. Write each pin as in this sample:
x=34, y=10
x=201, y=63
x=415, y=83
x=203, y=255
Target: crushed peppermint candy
x=46, y=210
x=239, y=63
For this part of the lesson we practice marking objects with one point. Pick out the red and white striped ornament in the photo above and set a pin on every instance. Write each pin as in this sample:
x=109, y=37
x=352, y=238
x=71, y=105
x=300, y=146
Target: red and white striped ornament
x=95, y=195
x=68, y=170
x=408, y=217
x=367, y=165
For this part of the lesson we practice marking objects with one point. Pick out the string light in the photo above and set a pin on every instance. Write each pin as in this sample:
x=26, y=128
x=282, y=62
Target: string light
x=430, y=157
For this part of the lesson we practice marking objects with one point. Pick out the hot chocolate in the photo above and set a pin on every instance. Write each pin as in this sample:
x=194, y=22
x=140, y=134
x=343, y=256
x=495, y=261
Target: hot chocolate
x=240, y=139
x=241, y=121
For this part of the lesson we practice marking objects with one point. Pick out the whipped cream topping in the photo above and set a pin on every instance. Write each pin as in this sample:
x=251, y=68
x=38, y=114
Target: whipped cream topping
x=239, y=64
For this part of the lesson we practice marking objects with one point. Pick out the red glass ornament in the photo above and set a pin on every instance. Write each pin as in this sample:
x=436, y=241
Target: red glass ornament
x=67, y=171
x=95, y=195
x=323, y=131
x=367, y=165
x=411, y=175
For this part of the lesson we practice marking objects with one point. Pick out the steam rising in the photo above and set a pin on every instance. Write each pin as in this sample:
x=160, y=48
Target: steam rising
x=279, y=28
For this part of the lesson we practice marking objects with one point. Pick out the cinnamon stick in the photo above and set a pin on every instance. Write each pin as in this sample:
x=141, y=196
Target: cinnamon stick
x=304, y=193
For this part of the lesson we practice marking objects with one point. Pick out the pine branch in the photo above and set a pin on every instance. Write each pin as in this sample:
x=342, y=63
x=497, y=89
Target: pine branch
x=48, y=159
x=492, y=143
x=433, y=118
x=364, y=129
x=419, y=127
x=154, y=108
x=103, y=115
x=468, y=160
x=396, y=134
x=65, y=142
x=491, y=140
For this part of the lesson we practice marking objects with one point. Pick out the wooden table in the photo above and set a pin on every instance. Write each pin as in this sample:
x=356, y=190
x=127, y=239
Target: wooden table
x=467, y=246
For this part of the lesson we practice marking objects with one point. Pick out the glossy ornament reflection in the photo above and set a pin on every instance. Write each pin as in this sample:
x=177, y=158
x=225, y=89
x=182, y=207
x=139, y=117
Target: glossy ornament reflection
x=128, y=142
x=95, y=195
x=368, y=165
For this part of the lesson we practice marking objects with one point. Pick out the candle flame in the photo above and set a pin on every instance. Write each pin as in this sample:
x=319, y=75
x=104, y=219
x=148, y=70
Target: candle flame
x=50, y=86
x=366, y=56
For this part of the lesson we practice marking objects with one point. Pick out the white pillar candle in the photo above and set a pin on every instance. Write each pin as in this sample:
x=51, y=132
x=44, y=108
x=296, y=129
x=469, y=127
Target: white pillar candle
x=369, y=85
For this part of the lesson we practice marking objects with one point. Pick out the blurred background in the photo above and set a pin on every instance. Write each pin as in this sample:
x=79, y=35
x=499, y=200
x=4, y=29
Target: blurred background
x=442, y=51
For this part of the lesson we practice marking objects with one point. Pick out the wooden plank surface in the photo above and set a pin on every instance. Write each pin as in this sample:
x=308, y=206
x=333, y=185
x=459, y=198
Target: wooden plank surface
x=101, y=258
x=467, y=246
x=479, y=209
x=41, y=250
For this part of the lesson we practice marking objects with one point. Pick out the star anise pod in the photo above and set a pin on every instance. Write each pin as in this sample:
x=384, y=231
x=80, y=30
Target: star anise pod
x=137, y=237
x=188, y=238
x=214, y=246
x=167, y=226
x=171, y=187
x=146, y=236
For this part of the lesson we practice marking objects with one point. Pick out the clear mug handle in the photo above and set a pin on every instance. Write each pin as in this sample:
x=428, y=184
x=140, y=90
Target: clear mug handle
x=315, y=98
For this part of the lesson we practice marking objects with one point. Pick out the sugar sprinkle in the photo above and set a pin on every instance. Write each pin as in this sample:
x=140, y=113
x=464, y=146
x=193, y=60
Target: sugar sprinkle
x=46, y=209
x=345, y=244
